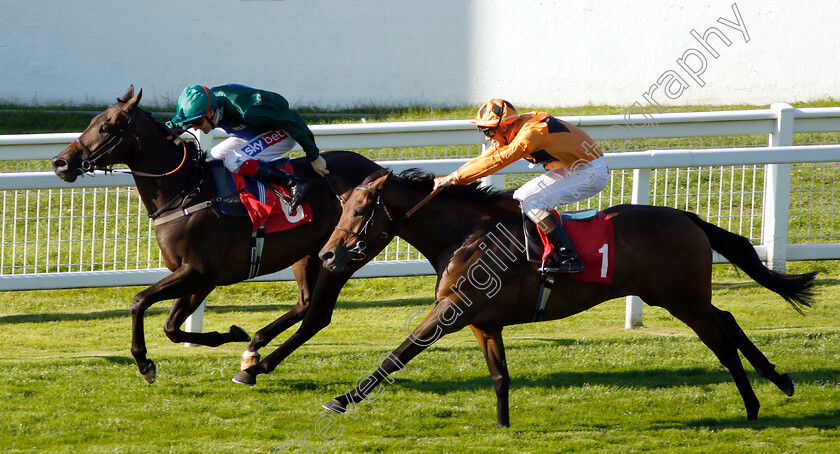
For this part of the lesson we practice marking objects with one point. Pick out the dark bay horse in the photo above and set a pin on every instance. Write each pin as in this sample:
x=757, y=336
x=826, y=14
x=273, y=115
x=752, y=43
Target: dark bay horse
x=473, y=239
x=203, y=249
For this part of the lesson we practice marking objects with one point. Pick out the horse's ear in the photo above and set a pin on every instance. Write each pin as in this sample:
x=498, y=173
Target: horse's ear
x=376, y=176
x=381, y=180
x=128, y=94
x=132, y=103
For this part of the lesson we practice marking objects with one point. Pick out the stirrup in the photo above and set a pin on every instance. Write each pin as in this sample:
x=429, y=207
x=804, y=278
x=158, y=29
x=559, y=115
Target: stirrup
x=298, y=189
x=560, y=264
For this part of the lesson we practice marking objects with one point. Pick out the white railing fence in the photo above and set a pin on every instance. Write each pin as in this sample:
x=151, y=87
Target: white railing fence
x=743, y=170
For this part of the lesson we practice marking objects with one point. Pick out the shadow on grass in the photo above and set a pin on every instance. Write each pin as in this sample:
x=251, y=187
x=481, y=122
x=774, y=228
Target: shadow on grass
x=121, y=360
x=218, y=309
x=825, y=420
x=648, y=379
x=401, y=302
x=124, y=313
x=69, y=316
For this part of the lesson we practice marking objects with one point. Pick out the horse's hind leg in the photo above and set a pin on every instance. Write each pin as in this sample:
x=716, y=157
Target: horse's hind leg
x=492, y=346
x=701, y=317
x=306, y=273
x=760, y=362
x=183, y=308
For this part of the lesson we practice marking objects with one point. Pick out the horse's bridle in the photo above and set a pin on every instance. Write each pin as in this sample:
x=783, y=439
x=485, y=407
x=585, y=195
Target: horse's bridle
x=361, y=244
x=358, y=249
x=112, y=143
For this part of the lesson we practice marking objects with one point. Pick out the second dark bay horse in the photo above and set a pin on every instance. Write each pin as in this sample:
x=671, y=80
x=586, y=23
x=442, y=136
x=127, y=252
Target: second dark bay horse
x=204, y=249
x=472, y=237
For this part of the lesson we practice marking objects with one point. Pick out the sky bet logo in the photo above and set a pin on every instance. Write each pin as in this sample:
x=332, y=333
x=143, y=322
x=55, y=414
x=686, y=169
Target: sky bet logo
x=264, y=141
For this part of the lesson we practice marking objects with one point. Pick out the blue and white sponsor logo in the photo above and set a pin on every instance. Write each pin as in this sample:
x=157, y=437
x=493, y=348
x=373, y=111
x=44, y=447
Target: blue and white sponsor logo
x=253, y=147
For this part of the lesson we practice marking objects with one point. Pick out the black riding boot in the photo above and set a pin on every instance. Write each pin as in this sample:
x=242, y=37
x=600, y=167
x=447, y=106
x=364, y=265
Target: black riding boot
x=297, y=186
x=563, y=259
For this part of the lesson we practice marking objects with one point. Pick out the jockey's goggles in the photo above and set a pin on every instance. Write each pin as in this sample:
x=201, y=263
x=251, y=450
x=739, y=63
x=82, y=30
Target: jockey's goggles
x=488, y=132
x=197, y=122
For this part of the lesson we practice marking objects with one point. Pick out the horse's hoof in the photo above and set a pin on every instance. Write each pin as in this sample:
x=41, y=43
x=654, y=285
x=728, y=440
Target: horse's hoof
x=150, y=374
x=238, y=334
x=244, y=378
x=334, y=406
x=788, y=386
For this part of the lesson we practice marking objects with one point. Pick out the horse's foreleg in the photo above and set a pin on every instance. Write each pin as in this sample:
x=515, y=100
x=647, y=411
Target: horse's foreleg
x=138, y=337
x=183, y=308
x=316, y=318
x=760, y=362
x=493, y=347
x=435, y=325
x=306, y=273
x=173, y=286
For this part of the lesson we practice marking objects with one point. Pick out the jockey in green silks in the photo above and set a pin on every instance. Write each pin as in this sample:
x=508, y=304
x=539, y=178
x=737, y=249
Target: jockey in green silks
x=262, y=126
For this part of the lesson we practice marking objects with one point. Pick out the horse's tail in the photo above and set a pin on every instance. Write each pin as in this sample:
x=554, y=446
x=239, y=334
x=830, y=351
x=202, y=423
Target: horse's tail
x=796, y=289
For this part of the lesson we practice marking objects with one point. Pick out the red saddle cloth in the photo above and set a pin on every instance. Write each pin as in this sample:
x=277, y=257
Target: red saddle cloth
x=594, y=242
x=274, y=212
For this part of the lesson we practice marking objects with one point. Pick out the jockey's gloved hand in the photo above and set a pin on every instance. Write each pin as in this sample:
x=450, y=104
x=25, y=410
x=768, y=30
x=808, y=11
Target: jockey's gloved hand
x=320, y=165
x=442, y=182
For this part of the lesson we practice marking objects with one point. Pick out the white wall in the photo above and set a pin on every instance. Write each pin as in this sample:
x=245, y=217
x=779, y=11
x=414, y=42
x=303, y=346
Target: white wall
x=338, y=53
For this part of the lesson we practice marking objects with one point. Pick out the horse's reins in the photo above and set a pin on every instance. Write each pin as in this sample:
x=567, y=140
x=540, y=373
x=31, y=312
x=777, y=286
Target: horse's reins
x=358, y=249
x=332, y=188
x=184, y=194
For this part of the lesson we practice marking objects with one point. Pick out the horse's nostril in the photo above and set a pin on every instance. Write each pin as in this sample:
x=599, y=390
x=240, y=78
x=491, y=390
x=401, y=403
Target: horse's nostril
x=325, y=256
x=59, y=163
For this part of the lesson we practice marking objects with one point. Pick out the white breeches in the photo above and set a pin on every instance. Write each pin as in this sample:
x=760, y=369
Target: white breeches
x=264, y=147
x=562, y=186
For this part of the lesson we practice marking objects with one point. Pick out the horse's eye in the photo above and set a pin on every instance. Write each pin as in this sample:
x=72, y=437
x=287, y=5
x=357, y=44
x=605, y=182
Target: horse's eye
x=359, y=212
x=106, y=128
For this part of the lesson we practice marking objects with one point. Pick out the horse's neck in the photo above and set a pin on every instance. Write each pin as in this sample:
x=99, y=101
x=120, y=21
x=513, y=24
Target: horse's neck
x=157, y=156
x=439, y=228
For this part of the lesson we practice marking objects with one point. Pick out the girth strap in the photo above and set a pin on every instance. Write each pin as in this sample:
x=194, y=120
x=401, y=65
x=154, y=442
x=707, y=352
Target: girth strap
x=186, y=212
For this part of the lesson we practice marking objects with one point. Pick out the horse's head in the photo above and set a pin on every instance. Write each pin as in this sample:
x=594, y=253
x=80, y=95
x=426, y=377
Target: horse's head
x=364, y=218
x=103, y=143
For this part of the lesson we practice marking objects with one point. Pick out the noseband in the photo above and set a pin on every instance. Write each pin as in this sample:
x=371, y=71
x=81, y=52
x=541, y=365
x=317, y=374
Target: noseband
x=358, y=249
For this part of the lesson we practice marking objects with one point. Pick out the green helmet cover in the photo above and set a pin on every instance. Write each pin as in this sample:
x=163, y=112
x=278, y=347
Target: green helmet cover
x=195, y=101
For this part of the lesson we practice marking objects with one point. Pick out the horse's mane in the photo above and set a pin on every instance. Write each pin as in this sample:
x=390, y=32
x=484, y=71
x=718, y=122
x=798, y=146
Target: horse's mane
x=164, y=131
x=423, y=182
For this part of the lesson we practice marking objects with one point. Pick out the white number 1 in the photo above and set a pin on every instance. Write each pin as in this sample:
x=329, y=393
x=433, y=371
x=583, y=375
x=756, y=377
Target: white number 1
x=605, y=259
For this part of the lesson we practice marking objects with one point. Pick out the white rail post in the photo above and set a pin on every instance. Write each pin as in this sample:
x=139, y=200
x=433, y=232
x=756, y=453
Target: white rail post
x=777, y=192
x=640, y=196
x=195, y=322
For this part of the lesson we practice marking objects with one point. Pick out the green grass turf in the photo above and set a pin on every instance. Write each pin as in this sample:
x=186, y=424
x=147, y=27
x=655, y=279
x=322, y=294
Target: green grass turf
x=583, y=384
